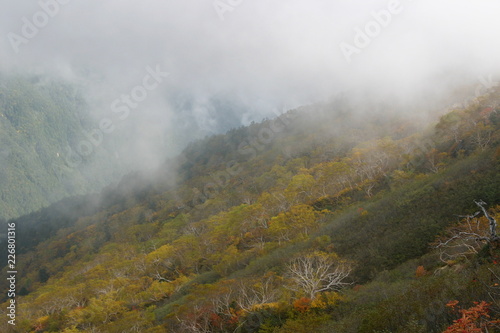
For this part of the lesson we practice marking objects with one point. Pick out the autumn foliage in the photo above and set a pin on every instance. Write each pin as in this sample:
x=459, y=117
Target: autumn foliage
x=420, y=271
x=473, y=319
x=320, y=228
x=302, y=304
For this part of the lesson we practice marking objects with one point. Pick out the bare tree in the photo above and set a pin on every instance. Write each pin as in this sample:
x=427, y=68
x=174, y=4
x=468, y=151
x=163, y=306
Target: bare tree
x=317, y=272
x=197, y=322
x=493, y=223
x=257, y=292
x=470, y=235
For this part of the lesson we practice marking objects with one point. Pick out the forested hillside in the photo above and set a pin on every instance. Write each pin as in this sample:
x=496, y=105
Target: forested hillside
x=41, y=122
x=326, y=219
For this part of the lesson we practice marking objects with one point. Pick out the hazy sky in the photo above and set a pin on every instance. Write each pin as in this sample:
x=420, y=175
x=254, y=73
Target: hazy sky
x=260, y=54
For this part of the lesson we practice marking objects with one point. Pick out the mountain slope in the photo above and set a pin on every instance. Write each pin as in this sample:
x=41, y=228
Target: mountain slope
x=40, y=119
x=359, y=196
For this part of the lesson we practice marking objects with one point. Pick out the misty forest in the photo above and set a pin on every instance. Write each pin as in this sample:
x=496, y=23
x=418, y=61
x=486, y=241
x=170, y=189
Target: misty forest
x=250, y=166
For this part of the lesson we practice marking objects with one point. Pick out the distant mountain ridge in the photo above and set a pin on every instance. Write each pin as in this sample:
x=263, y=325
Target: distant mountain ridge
x=40, y=119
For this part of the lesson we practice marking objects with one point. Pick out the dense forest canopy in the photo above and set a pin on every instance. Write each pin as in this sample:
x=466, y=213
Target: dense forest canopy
x=322, y=219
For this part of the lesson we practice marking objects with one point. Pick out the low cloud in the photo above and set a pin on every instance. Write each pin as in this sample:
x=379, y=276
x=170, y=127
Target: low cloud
x=232, y=62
